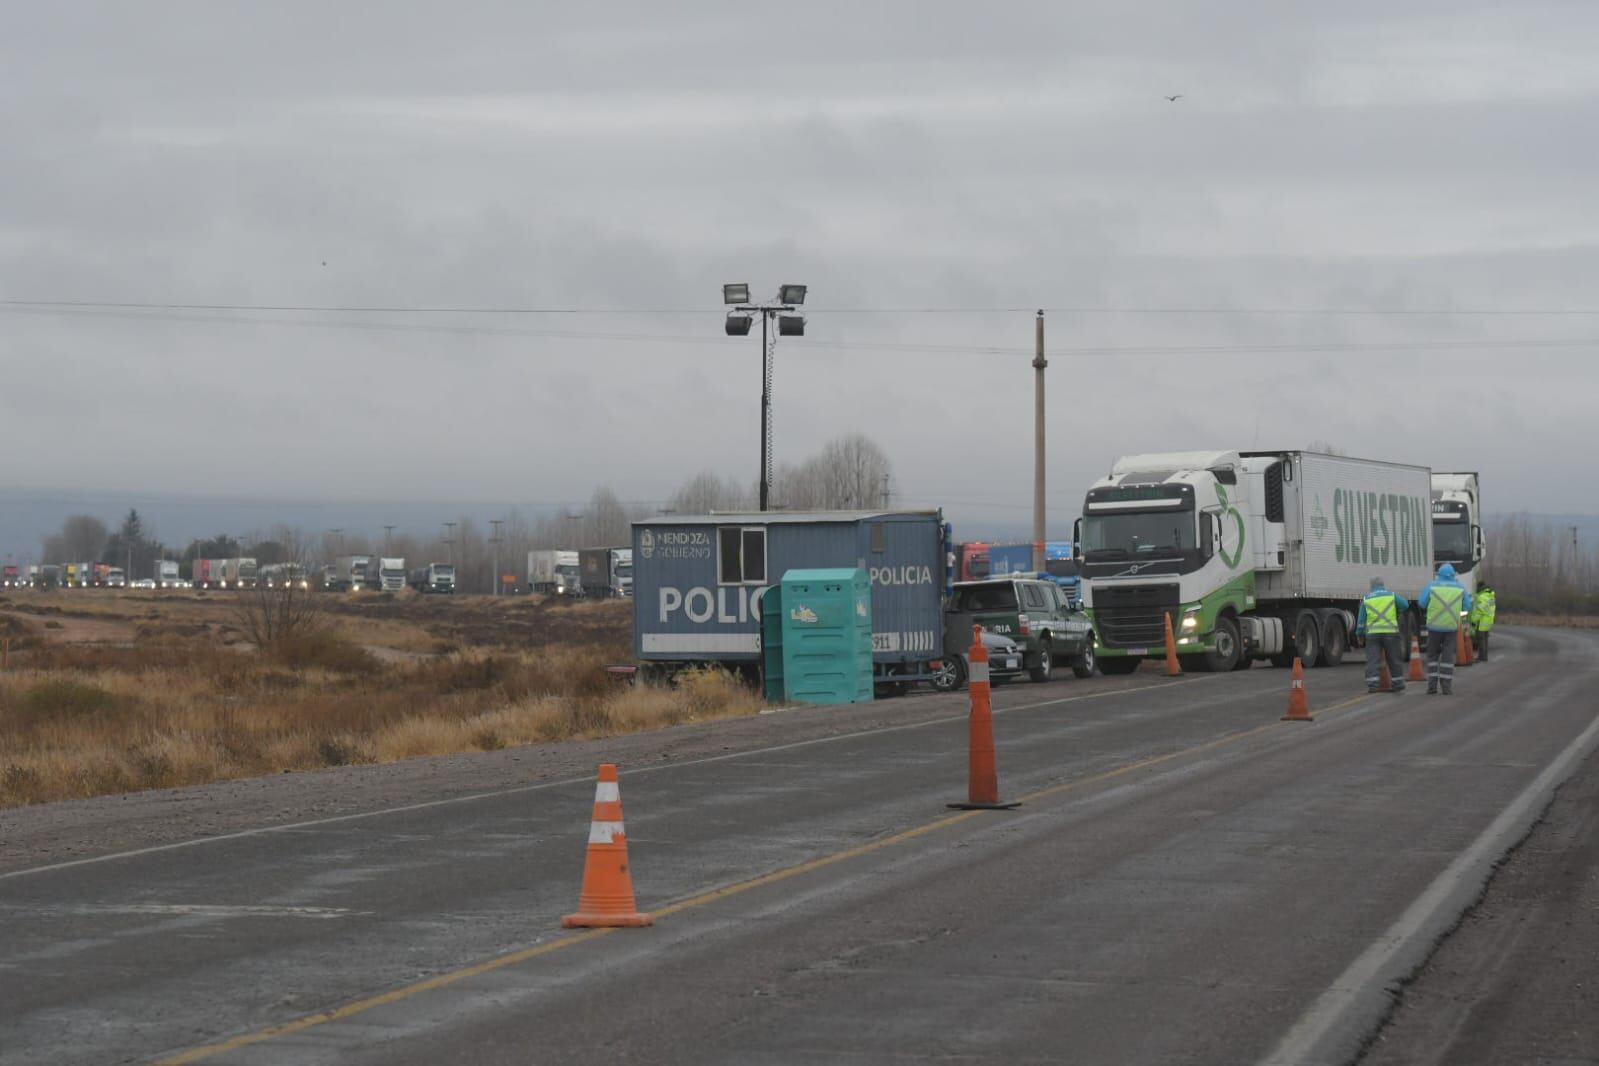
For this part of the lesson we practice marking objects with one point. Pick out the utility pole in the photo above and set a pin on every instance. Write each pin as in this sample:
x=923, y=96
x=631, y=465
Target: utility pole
x=449, y=542
x=1039, y=363
x=388, y=531
x=495, y=540
x=885, y=492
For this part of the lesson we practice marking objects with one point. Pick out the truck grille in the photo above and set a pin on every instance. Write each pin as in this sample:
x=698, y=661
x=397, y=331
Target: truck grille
x=1134, y=616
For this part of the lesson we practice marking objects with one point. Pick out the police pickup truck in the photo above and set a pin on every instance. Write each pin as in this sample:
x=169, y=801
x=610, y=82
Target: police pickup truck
x=1036, y=615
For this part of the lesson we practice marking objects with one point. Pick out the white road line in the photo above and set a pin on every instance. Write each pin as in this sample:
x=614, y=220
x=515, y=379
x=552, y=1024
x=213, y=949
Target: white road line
x=521, y=789
x=202, y=910
x=1363, y=987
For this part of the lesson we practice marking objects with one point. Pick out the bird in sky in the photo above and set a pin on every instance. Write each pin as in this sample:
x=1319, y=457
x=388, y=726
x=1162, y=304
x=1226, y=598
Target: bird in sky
x=1174, y=99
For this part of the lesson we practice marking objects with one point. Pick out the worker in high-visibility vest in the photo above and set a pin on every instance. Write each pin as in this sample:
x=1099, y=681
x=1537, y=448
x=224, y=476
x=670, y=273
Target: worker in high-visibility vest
x=1481, y=619
x=1378, y=622
x=1444, y=602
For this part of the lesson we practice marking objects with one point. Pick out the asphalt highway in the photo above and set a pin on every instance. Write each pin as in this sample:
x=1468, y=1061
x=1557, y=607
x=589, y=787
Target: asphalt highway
x=1188, y=880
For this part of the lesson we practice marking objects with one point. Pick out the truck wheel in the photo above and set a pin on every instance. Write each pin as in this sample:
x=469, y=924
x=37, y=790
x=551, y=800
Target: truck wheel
x=1083, y=665
x=1307, y=639
x=1333, y=644
x=1046, y=662
x=950, y=675
x=1227, y=651
x=1122, y=664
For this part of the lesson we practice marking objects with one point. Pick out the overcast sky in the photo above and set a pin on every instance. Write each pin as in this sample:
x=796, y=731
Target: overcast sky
x=1370, y=156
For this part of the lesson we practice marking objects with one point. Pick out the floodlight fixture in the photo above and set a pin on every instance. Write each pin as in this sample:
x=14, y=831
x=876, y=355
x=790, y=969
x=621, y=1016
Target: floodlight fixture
x=736, y=294
x=790, y=325
x=791, y=294
x=739, y=325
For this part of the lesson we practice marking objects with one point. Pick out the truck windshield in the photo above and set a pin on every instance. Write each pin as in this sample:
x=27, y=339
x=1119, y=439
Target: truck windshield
x=1451, y=541
x=566, y=571
x=1000, y=596
x=1060, y=567
x=1138, y=533
x=444, y=571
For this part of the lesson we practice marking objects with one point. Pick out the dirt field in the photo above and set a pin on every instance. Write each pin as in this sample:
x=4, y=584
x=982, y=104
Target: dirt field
x=120, y=691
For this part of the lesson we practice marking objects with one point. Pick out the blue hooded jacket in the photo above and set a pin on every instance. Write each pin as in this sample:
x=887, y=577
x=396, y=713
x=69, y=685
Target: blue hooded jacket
x=1445, y=579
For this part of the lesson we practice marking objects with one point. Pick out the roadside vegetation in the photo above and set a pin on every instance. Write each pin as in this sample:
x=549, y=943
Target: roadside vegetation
x=187, y=698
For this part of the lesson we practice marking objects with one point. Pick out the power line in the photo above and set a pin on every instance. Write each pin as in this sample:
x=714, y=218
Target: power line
x=129, y=305
x=904, y=347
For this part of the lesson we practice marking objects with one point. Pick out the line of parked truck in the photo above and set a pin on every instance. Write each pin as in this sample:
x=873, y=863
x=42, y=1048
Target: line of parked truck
x=590, y=572
x=1251, y=555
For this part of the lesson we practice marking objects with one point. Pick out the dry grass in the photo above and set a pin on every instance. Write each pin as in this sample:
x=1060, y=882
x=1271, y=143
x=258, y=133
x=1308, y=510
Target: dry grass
x=185, y=704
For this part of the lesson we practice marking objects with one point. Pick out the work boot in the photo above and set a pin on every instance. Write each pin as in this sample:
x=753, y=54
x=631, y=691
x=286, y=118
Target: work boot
x=1448, y=690
x=1432, y=690
x=1398, y=690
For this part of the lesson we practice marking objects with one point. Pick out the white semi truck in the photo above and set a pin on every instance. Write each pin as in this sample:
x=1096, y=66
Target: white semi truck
x=386, y=574
x=166, y=574
x=1457, y=526
x=351, y=573
x=1253, y=555
x=553, y=572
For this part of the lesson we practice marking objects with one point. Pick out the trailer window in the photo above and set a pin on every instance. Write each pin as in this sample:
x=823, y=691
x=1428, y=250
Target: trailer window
x=741, y=555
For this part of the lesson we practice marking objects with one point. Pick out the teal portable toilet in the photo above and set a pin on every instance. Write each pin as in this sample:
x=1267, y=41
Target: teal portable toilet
x=772, y=645
x=826, y=622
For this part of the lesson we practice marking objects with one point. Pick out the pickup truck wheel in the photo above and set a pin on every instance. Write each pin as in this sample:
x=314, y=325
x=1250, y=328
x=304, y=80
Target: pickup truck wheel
x=1046, y=662
x=950, y=675
x=1122, y=664
x=1224, y=657
x=1083, y=665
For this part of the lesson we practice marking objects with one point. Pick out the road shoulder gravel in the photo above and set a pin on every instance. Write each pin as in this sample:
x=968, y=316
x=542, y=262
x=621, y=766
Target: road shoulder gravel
x=1518, y=979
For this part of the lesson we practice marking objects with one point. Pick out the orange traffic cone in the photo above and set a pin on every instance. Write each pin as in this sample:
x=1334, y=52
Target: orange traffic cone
x=607, y=897
x=1417, y=672
x=982, y=777
x=1298, y=704
x=1172, y=669
x=1465, y=655
x=1385, y=680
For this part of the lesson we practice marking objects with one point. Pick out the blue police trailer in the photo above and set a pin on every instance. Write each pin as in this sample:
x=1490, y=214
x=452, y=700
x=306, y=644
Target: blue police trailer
x=698, y=582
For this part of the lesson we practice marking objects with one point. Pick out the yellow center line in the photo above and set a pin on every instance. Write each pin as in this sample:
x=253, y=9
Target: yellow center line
x=714, y=895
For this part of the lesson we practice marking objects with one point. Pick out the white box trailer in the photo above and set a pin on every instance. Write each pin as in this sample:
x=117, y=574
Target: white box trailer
x=1250, y=554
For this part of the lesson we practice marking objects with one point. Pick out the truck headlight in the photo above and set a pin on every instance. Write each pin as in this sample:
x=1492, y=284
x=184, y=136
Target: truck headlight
x=1190, y=621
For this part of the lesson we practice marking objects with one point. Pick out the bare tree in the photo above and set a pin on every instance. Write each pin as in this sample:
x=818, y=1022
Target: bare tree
x=270, y=616
x=848, y=474
x=82, y=539
x=706, y=492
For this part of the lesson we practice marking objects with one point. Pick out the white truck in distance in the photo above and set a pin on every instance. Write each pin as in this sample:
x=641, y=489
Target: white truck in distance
x=166, y=574
x=434, y=578
x=1253, y=555
x=386, y=574
x=1457, y=526
x=553, y=572
x=349, y=573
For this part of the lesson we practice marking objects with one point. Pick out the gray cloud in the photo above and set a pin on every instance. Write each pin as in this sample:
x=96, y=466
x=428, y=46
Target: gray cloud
x=894, y=155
